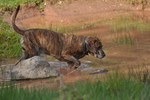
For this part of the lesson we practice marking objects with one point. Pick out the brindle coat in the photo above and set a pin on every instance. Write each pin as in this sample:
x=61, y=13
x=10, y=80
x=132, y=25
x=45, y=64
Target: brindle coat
x=64, y=47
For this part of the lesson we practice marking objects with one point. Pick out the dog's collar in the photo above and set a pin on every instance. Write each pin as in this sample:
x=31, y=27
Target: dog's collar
x=84, y=46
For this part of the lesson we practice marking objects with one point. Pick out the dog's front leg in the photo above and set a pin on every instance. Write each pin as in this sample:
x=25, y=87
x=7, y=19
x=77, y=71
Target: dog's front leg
x=72, y=61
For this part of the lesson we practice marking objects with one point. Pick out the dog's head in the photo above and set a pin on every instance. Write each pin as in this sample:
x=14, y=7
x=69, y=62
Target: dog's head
x=94, y=47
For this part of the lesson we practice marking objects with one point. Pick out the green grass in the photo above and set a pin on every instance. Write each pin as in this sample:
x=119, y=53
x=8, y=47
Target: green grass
x=122, y=27
x=71, y=28
x=9, y=40
x=116, y=86
x=118, y=24
x=14, y=93
x=127, y=24
x=12, y=3
x=124, y=39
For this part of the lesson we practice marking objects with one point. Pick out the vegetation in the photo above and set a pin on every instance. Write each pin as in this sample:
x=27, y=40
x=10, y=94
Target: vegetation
x=9, y=41
x=123, y=27
x=12, y=3
x=124, y=38
x=116, y=86
x=14, y=93
x=139, y=2
x=127, y=24
x=67, y=29
x=119, y=24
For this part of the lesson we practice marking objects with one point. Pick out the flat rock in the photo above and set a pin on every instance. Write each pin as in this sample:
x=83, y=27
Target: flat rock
x=58, y=65
x=37, y=68
x=99, y=71
x=32, y=68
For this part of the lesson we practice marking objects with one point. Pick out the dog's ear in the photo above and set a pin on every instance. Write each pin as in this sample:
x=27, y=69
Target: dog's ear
x=90, y=41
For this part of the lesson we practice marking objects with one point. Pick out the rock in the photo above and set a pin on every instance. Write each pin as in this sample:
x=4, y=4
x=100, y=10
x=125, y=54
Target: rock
x=58, y=65
x=5, y=72
x=38, y=68
x=32, y=68
x=99, y=71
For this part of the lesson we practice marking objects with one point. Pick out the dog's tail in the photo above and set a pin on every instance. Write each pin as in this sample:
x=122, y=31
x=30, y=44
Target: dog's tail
x=13, y=21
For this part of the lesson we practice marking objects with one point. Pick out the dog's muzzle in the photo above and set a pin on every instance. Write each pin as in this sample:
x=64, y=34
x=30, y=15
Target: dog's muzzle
x=100, y=54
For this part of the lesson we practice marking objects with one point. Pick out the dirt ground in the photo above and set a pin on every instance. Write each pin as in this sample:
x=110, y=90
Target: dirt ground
x=80, y=11
x=119, y=57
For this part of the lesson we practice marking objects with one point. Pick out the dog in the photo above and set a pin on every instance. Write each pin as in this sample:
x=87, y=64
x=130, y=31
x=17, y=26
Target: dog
x=64, y=47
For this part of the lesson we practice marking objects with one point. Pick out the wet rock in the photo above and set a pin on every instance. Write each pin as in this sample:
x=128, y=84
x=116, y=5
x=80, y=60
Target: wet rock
x=38, y=68
x=32, y=68
x=58, y=65
x=99, y=71
x=5, y=72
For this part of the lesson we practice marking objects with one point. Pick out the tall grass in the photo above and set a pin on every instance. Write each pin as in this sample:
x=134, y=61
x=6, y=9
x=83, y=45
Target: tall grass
x=14, y=93
x=118, y=24
x=124, y=38
x=141, y=73
x=9, y=41
x=124, y=26
x=71, y=28
x=127, y=24
x=116, y=86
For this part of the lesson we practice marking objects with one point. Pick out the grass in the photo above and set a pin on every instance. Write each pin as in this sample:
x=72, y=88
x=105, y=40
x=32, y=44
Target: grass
x=116, y=86
x=124, y=26
x=141, y=73
x=13, y=3
x=127, y=24
x=71, y=28
x=117, y=24
x=14, y=93
x=124, y=39
x=9, y=40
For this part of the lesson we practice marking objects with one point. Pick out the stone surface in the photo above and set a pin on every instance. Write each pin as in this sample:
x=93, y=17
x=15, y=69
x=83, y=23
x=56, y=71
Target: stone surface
x=37, y=68
x=99, y=71
x=32, y=68
x=58, y=65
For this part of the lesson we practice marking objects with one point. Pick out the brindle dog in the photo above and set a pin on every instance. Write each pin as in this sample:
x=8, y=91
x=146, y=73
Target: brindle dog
x=64, y=47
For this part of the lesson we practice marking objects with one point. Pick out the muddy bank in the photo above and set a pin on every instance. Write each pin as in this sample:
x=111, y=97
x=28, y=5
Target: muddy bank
x=73, y=13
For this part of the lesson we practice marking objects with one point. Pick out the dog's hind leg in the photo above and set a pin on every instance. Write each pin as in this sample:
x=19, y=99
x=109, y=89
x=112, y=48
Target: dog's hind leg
x=25, y=56
x=28, y=53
